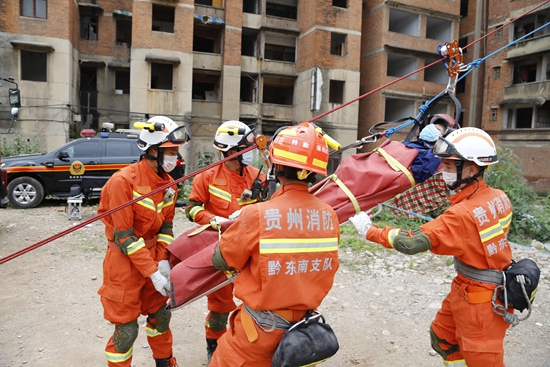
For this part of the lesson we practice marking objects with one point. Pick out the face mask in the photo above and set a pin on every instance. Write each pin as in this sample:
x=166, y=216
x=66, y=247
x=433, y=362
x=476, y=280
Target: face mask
x=247, y=158
x=169, y=163
x=449, y=178
x=430, y=133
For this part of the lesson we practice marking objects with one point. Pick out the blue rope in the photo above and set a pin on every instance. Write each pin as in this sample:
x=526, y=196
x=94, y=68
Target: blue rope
x=471, y=66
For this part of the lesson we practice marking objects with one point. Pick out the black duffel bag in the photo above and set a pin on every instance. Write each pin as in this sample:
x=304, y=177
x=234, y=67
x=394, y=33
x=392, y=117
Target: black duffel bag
x=307, y=342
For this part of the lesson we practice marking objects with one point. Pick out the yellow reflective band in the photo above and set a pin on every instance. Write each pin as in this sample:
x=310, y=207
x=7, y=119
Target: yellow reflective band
x=151, y=333
x=135, y=246
x=291, y=132
x=289, y=155
x=392, y=234
x=457, y=363
x=193, y=212
x=219, y=193
x=146, y=202
x=496, y=230
x=165, y=204
x=119, y=357
x=319, y=163
x=505, y=222
x=246, y=202
x=161, y=237
x=295, y=245
x=395, y=164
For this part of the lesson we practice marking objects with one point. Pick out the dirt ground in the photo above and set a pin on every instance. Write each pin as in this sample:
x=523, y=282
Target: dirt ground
x=380, y=306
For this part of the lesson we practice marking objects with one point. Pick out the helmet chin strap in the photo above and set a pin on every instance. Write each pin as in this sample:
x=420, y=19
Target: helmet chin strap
x=159, y=158
x=459, y=181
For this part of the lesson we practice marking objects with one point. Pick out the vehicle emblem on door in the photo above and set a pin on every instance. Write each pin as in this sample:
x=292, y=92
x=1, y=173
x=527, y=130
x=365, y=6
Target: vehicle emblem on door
x=77, y=168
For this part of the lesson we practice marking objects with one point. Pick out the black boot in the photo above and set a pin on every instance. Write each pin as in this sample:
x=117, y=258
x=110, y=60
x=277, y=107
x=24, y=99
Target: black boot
x=211, y=345
x=166, y=362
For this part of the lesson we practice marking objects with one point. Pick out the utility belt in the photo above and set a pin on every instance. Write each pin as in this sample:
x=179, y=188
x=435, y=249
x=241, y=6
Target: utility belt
x=149, y=243
x=475, y=294
x=268, y=321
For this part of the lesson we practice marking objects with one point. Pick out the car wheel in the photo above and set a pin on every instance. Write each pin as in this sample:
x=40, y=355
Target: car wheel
x=25, y=192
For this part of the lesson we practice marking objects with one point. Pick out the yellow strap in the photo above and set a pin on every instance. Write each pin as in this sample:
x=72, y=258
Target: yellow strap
x=344, y=188
x=212, y=224
x=395, y=165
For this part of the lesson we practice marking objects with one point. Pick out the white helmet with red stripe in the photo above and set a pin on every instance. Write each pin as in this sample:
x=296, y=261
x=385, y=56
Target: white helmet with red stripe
x=161, y=131
x=467, y=144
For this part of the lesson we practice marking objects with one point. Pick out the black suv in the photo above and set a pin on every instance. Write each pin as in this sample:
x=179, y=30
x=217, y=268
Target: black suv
x=86, y=162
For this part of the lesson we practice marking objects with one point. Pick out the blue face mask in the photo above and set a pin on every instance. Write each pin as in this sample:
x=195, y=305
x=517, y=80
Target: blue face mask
x=430, y=133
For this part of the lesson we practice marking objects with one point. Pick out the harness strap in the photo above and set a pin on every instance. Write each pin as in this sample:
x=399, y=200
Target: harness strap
x=344, y=188
x=473, y=294
x=268, y=320
x=481, y=275
x=395, y=164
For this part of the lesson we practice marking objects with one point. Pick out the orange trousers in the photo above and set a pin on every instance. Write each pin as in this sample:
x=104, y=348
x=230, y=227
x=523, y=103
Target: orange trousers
x=234, y=349
x=477, y=330
x=125, y=295
x=220, y=301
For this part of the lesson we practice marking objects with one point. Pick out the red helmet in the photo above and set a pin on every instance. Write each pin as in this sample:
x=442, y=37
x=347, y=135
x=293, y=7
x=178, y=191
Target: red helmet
x=300, y=147
x=445, y=120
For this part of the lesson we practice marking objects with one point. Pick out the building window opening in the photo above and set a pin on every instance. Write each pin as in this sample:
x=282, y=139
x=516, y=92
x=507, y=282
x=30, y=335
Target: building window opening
x=278, y=90
x=525, y=73
x=496, y=72
x=206, y=86
x=88, y=79
x=249, y=42
x=336, y=91
x=214, y=3
x=124, y=31
x=543, y=118
x=438, y=29
x=397, y=108
x=251, y=6
x=436, y=73
x=286, y=9
x=249, y=88
x=461, y=86
x=340, y=3
x=524, y=118
x=399, y=65
x=463, y=42
x=404, y=22
x=207, y=39
x=494, y=114
x=161, y=76
x=498, y=34
x=34, y=66
x=337, y=44
x=163, y=18
x=34, y=8
x=463, y=8
x=88, y=27
x=280, y=47
x=122, y=81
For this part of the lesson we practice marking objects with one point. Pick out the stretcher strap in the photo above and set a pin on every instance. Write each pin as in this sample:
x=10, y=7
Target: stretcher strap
x=344, y=188
x=395, y=164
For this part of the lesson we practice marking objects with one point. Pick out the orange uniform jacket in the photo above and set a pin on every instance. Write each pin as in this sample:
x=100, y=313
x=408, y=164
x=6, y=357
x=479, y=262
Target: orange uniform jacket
x=286, y=249
x=150, y=219
x=220, y=189
x=473, y=229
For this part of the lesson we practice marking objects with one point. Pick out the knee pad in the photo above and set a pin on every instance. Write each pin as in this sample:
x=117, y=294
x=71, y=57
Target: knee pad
x=217, y=321
x=442, y=352
x=125, y=335
x=161, y=319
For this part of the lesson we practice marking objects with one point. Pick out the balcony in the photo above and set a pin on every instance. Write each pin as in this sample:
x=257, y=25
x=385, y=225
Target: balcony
x=536, y=92
x=529, y=46
x=277, y=112
x=206, y=108
x=206, y=61
x=248, y=109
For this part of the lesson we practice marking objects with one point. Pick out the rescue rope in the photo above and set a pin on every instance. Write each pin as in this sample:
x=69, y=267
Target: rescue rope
x=423, y=109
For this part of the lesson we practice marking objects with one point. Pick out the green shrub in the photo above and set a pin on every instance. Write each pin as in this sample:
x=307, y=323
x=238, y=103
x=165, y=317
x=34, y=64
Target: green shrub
x=13, y=145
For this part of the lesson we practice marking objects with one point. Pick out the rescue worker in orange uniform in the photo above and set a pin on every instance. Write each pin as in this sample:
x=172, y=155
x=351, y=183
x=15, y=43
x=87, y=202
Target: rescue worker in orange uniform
x=465, y=331
x=216, y=194
x=285, y=250
x=136, y=267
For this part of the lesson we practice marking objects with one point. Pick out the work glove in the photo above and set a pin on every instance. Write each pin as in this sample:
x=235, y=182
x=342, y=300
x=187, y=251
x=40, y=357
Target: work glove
x=220, y=219
x=164, y=268
x=362, y=223
x=235, y=214
x=162, y=285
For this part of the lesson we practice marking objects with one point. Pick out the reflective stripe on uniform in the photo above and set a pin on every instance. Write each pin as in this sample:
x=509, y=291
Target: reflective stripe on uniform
x=165, y=204
x=392, y=234
x=457, y=363
x=219, y=193
x=166, y=238
x=496, y=230
x=246, y=201
x=146, y=202
x=119, y=357
x=295, y=245
x=133, y=247
x=194, y=210
x=151, y=333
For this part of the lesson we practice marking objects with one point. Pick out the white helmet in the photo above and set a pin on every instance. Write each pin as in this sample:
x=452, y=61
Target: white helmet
x=467, y=144
x=160, y=131
x=230, y=135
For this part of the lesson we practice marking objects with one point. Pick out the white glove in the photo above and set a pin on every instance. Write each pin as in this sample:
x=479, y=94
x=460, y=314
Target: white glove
x=161, y=283
x=362, y=223
x=220, y=219
x=235, y=214
x=164, y=268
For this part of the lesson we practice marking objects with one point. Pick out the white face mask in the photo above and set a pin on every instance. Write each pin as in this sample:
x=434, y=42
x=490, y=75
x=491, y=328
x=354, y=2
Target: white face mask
x=169, y=163
x=449, y=178
x=247, y=158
